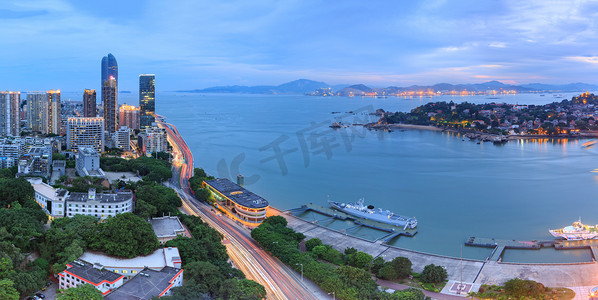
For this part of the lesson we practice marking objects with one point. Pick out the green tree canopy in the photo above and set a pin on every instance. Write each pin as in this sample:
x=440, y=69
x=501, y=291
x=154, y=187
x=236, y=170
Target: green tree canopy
x=84, y=291
x=125, y=235
x=7, y=290
x=433, y=274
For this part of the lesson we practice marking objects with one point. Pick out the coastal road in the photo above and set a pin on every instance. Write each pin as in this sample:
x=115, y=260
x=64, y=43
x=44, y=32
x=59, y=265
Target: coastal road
x=280, y=281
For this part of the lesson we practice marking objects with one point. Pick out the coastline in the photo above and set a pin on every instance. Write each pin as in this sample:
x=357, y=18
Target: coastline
x=484, y=136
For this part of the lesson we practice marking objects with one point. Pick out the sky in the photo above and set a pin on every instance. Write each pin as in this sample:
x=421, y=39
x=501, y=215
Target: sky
x=190, y=44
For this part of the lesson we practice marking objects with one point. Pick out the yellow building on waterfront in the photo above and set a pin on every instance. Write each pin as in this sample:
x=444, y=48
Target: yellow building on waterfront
x=238, y=202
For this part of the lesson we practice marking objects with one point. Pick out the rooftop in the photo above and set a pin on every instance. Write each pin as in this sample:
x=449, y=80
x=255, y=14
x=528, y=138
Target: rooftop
x=100, y=197
x=43, y=188
x=87, y=151
x=86, y=271
x=160, y=258
x=59, y=163
x=167, y=226
x=237, y=193
x=145, y=285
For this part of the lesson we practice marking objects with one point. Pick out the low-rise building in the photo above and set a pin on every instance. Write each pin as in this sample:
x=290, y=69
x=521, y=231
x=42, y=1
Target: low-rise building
x=129, y=267
x=238, y=202
x=88, y=162
x=168, y=228
x=51, y=200
x=59, y=167
x=80, y=272
x=37, y=162
x=100, y=205
x=148, y=284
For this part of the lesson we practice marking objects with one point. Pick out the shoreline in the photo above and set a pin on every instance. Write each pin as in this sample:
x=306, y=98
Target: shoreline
x=482, y=135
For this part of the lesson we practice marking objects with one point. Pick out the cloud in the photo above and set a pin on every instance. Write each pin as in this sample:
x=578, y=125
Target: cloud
x=585, y=59
x=497, y=45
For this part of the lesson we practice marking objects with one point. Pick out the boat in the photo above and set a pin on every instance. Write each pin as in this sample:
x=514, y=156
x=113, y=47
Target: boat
x=335, y=125
x=370, y=213
x=577, y=231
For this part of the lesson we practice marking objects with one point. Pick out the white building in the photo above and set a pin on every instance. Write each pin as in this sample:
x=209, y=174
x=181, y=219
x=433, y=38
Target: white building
x=129, y=267
x=10, y=153
x=100, y=205
x=153, y=139
x=51, y=200
x=38, y=161
x=80, y=272
x=85, y=132
x=148, y=284
x=122, y=138
x=88, y=162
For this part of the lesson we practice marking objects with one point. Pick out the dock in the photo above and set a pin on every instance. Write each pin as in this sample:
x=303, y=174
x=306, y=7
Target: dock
x=500, y=245
x=333, y=214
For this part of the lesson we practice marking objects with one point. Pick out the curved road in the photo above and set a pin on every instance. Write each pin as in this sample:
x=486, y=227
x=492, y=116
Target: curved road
x=280, y=281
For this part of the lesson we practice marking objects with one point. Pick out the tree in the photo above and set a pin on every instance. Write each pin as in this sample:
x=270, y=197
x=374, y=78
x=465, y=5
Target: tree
x=276, y=221
x=144, y=209
x=409, y=294
x=359, y=259
x=16, y=190
x=523, y=288
x=377, y=264
x=311, y=243
x=402, y=266
x=7, y=290
x=84, y=291
x=125, y=235
x=388, y=272
x=433, y=274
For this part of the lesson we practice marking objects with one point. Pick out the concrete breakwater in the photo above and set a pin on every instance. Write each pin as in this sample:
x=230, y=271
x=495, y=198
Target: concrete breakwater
x=474, y=271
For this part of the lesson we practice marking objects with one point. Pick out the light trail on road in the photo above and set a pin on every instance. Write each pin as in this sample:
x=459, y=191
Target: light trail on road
x=280, y=281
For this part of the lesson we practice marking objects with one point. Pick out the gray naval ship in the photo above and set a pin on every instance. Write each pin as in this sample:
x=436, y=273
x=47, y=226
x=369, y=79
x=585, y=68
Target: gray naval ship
x=368, y=212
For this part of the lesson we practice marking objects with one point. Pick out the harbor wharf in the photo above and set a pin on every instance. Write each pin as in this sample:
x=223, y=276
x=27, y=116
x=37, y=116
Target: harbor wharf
x=571, y=275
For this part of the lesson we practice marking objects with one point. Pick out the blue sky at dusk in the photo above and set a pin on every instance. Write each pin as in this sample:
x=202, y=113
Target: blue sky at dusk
x=196, y=44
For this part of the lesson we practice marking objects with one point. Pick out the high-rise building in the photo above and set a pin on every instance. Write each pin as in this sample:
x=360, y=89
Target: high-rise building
x=122, y=138
x=10, y=106
x=89, y=103
x=37, y=111
x=153, y=139
x=54, y=119
x=109, y=68
x=109, y=92
x=128, y=115
x=85, y=132
x=147, y=99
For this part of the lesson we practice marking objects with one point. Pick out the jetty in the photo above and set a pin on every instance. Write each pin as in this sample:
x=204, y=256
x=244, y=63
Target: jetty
x=500, y=245
x=333, y=214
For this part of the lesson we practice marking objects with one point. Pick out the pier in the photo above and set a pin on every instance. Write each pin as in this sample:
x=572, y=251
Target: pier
x=332, y=214
x=500, y=245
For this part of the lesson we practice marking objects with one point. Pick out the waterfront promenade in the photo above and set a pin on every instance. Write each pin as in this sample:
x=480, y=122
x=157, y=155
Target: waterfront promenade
x=577, y=276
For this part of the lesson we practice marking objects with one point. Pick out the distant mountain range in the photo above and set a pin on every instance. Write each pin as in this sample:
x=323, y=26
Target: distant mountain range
x=305, y=86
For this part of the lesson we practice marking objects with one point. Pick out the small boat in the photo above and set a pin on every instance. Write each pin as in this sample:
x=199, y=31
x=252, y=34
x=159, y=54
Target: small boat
x=335, y=125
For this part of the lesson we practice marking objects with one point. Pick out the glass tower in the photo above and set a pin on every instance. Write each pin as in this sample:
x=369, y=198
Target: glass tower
x=89, y=103
x=109, y=92
x=147, y=99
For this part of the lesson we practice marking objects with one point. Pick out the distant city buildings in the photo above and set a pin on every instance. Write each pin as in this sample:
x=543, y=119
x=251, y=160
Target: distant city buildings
x=153, y=139
x=10, y=107
x=89, y=103
x=37, y=161
x=99, y=205
x=10, y=152
x=147, y=99
x=122, y=138
x=54, y=115
x=85, y=132
x=87, y=162
x=128, y=115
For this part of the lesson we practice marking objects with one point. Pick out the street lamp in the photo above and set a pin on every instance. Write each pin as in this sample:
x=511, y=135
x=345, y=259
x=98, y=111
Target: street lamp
x=333, y=296
x=301, y=271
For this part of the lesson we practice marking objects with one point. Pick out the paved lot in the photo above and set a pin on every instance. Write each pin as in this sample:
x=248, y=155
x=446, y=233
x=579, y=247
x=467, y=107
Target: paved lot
x=479, y=272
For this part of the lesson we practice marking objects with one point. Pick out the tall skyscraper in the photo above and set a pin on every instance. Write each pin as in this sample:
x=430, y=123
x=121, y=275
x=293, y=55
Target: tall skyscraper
x=85, y=132
x=89, y=103
x=37, y=111
x=147, y=99
x=109, y=93
x=10, y=106
x=128, y=115
x=109, y=68
x=54, y=119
